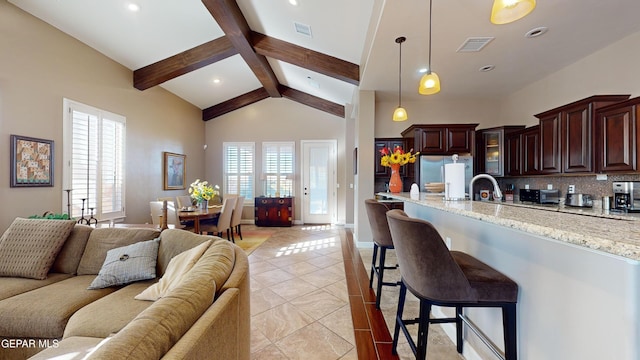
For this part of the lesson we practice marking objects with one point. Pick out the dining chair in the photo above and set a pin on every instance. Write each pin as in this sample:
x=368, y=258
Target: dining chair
x=156, y=211
x=184, y=201
x=172, y=214
x=236, y=218
x=224, y=220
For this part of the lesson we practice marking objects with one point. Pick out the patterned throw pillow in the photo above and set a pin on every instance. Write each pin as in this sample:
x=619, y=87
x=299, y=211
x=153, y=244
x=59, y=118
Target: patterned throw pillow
x=29, y=246
x=127, y=264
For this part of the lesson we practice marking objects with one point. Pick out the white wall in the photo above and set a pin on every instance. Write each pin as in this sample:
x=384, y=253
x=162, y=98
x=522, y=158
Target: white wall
x=39, y=66
x=276, y=120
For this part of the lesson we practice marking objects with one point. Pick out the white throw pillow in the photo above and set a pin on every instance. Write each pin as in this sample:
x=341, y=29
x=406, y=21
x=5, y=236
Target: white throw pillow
x=127, y=264
x=176, y=271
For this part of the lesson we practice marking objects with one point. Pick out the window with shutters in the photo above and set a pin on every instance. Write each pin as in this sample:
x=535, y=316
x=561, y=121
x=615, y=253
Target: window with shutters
x=278, y=165
x=239, y=166
x=94, y=155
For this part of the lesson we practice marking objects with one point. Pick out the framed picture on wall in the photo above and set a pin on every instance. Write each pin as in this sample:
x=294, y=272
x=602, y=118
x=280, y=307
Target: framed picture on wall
x=175, y=171
x=31, y=162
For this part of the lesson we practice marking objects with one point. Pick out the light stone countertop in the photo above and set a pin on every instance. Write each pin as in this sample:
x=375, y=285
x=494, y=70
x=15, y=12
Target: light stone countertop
x=615, y=234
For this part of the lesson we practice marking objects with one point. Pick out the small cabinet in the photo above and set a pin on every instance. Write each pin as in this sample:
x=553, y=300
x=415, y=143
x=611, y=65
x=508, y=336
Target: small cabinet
x=513, y=154
x=618, y=133
x=530, y=151
x=550, y=143
x=391, y=144
x=490, y=151
x=442, y=139
x=274, y=211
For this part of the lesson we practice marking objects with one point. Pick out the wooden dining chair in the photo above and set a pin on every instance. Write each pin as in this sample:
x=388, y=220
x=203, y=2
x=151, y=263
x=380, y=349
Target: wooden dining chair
x=236, y=218
x=224, y=220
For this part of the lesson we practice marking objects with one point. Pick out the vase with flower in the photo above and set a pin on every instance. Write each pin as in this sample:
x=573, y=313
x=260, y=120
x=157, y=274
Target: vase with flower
x=395, y=159
x=202, y=192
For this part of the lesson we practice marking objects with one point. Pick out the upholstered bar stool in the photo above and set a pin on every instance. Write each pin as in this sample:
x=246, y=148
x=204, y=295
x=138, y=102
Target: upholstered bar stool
x=377, y=213
x=437, y=276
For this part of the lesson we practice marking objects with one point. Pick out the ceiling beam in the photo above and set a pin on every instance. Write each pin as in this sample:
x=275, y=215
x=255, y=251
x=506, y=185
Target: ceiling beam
x=312, y=101
x=234, y=104
x=182, y=63
x=306, y=58
x=230, y=19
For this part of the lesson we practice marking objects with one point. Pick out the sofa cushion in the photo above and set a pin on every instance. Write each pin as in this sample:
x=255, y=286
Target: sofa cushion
x=177, y=270
x=69, y=256
x=128, y=264
x=29, y=247
x=104, y=239
x=109, y=314
x=174, y=242
x=11, y=286
x=44, y=312
x=155, y=330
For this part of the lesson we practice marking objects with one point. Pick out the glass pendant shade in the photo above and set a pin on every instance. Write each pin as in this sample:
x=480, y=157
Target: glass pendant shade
x=506, y=11
x=429, y=84
x=400, y=114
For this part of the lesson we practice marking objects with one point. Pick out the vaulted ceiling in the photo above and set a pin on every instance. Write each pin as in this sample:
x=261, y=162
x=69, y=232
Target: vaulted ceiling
x=221, y=55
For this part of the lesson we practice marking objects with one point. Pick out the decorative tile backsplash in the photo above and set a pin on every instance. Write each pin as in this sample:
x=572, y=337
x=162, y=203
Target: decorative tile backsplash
x=585, y=184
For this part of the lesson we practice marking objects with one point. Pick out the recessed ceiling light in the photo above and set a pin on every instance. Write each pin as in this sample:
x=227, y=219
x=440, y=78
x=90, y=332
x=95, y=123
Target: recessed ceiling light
x=293, y=2
x=536, y=32
x=422, y=70
x=133, y=7
x=217, y=81
x=487, y=68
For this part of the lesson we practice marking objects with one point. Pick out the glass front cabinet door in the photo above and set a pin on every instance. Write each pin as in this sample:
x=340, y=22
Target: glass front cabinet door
x=494, y=154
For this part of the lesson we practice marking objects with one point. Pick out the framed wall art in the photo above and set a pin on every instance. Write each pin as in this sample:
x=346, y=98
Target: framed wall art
x=175, y=171
x=31, y=162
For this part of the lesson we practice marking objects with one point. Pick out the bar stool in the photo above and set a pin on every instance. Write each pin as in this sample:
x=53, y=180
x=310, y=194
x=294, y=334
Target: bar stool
x=377, y=213
x=437, y=276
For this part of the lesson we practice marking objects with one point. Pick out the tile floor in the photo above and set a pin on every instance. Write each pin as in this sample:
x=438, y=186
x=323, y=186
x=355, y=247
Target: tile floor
x=310, y=300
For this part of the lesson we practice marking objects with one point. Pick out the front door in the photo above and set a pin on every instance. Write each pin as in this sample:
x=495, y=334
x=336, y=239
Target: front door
x=319, y=178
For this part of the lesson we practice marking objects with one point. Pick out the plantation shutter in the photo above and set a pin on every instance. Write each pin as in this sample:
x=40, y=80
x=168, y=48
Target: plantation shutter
x=278, y=168
x=239, y=169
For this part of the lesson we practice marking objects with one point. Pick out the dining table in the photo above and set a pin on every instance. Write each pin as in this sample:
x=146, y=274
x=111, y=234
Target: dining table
x=197, y=214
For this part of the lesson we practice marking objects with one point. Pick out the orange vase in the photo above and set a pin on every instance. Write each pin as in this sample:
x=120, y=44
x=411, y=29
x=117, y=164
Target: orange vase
x=395, y=183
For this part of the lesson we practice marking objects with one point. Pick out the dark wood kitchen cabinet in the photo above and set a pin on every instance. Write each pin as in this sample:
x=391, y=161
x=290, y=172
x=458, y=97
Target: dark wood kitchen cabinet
x=617, y=134
x=491, y=150
x=274, y=211
x=442, y=139
x=530, y=151
x=513, y=154
x=391, y=144
x=567, y=139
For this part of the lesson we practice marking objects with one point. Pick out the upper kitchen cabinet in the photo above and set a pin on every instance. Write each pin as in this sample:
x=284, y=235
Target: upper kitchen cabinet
x=617, y=134
x=442, y=139
x=530, y=151
x=491, y=149
x=567, y=137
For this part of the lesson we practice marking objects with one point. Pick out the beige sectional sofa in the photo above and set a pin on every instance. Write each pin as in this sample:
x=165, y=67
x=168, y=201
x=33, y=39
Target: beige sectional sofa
x=205, y=316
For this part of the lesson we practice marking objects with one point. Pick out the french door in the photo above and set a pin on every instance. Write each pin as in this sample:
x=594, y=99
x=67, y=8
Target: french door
x=319, y=179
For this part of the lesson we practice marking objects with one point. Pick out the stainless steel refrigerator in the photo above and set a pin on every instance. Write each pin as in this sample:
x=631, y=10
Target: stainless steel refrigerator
x=432, y=169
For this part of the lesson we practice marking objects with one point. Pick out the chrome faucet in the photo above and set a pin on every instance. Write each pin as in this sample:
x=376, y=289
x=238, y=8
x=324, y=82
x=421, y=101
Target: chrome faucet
x=497, y=194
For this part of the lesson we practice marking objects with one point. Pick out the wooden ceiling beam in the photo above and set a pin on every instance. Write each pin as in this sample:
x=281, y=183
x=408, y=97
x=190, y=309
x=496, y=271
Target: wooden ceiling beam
x=234, y=104
x=230, y=19
x=182, y=63
x=312, y=101
x=306, y=58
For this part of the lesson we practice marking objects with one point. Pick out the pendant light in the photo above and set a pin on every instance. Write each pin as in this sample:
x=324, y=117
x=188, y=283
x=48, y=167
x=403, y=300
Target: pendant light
x=506, y=11
x=430, y=82
x=400, y=114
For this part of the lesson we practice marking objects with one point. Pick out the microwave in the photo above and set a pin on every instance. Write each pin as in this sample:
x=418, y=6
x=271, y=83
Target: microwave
x=540, y=196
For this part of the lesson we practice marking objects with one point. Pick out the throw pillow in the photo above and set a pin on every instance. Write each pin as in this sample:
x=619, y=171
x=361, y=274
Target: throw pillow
x=176, y=271
x=127, y=264
x=29, y=246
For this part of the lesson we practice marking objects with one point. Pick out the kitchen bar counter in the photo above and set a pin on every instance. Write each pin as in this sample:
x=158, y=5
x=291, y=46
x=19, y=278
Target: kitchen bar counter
x=605, y=231
x=578, y=275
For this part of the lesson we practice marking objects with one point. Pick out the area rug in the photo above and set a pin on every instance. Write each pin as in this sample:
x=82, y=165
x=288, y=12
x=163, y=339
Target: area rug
x=252, y=239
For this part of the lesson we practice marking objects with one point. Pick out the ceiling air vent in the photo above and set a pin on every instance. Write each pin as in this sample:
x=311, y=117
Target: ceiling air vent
x=302, y=29
x=474, y=44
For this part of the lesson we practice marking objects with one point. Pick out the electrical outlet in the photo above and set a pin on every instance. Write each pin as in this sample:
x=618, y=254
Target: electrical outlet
x=526, y=186
x=549, y=186
x=601, y=177
x=572, y=189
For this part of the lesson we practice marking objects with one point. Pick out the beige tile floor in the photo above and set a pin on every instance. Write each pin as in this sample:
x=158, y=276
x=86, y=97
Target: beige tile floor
x=300, y=305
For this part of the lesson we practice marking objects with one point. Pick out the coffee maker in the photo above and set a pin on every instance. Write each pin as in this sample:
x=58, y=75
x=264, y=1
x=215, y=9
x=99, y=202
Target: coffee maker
x=626, y=196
